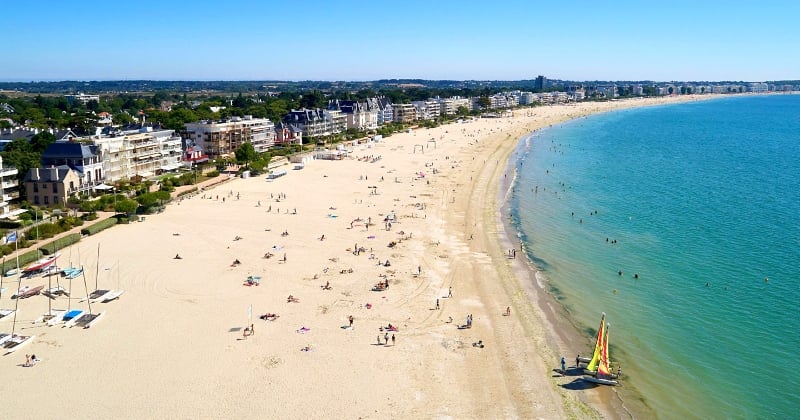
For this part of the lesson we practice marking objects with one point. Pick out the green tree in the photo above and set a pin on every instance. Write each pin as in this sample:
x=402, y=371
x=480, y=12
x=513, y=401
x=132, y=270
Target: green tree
x=314, y=99
x=40, y=142
x=484, y=102
x=246, y=153
x=126, y=206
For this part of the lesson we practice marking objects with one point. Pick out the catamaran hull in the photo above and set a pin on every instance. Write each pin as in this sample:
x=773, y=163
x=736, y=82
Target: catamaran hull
x=600, y=380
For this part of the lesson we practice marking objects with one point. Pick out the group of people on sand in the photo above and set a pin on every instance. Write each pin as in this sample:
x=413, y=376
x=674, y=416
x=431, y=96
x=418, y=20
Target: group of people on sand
x=292, y=299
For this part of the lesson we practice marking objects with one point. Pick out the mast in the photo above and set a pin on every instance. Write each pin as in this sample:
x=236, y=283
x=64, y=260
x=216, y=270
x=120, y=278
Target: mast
x=97, y=269
x=2, y=275
x=19, y=282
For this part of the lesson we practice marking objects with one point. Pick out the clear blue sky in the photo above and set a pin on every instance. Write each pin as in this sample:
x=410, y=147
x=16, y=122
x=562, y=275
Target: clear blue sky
x=431, y=39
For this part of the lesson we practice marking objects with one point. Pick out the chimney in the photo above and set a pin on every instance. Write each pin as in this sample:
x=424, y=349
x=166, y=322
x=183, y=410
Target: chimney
x=35, y=175
x=53, y=173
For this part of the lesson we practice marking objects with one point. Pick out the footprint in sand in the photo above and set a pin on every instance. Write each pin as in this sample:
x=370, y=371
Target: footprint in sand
x=271, y=362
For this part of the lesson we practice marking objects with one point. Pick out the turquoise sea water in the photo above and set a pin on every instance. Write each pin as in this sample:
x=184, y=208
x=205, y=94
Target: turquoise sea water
x=703, y=201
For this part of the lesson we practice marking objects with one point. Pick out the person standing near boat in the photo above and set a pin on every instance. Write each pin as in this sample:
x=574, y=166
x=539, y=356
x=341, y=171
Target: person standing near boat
x=563, y=365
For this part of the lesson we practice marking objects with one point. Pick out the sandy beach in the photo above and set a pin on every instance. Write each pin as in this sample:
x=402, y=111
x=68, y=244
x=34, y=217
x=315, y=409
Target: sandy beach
x=428, y=202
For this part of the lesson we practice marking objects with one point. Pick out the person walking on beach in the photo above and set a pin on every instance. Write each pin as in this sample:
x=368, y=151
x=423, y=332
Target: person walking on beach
x=386, y=338
x=350, y=318
x=437, y=303
x=379, y=339
x=563, y=365
x=393, y=345
x=450, y=292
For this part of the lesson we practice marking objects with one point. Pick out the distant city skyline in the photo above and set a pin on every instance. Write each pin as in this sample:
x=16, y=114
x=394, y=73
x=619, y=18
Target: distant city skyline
x=361, y=41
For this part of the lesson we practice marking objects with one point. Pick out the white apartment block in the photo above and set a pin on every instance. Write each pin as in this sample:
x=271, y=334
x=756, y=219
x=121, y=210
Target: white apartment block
x=449, y=106
x=8, y=185
x=427, y=110
x=526, y=98
x=82, y=98
x=758, y=87
x=222, y=138
x=142, y=153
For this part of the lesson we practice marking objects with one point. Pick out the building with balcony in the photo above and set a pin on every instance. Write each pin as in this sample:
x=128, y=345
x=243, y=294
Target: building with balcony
x=82, y=158
x=222, y=138
x=139, y=153
x=9, y=189
x=404, y=113
x=427, y=109
x=51, y=187
x=286, y=134
x=361, y=116
x=317, y=122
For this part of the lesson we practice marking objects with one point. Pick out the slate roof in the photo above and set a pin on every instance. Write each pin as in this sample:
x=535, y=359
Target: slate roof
x=46, y=175
x=67, y=150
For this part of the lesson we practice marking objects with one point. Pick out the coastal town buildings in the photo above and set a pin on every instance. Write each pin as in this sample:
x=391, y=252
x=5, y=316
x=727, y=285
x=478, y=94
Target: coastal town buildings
x=222, y=138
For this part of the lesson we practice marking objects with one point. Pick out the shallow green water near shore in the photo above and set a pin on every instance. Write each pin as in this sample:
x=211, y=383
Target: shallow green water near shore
x=701, y=201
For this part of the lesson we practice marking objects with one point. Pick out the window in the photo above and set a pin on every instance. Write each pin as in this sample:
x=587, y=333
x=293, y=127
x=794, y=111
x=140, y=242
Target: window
x=56, y=200
x=55, y=188
x=36, y=187
x=36, y=200
x=46, y=200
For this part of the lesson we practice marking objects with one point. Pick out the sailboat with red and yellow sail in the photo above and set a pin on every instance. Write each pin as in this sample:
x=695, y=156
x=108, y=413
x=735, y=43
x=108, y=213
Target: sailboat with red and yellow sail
x=599, y=368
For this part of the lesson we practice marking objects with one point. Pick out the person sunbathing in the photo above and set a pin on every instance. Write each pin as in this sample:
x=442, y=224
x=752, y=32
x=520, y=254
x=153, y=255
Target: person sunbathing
x=268, y=316
x=268, y=255
x=327, y=286
x=292, y=299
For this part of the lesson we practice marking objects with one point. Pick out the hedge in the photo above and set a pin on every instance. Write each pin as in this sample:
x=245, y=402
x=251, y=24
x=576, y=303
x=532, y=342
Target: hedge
x=9, y=224
x=99, y=226
x=61, y=243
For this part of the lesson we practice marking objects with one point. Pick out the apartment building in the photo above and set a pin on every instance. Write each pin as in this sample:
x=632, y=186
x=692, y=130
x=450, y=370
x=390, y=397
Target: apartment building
x=139, y=153
x=9, y=189
x=427, y=110
x=404, y=113
x=222, y=138
x=358, y=115
x=317, y=122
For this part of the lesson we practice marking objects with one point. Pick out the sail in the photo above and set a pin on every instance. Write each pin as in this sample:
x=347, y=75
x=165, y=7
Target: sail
x=603, y=369
x=598, y=345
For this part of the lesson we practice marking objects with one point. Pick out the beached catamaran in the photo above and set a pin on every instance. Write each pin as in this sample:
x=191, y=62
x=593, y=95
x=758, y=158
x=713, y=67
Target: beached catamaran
x=591, y=367
x=599, y=369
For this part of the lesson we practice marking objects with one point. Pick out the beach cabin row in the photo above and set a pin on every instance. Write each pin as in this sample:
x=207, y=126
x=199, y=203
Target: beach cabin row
x=276, y=174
